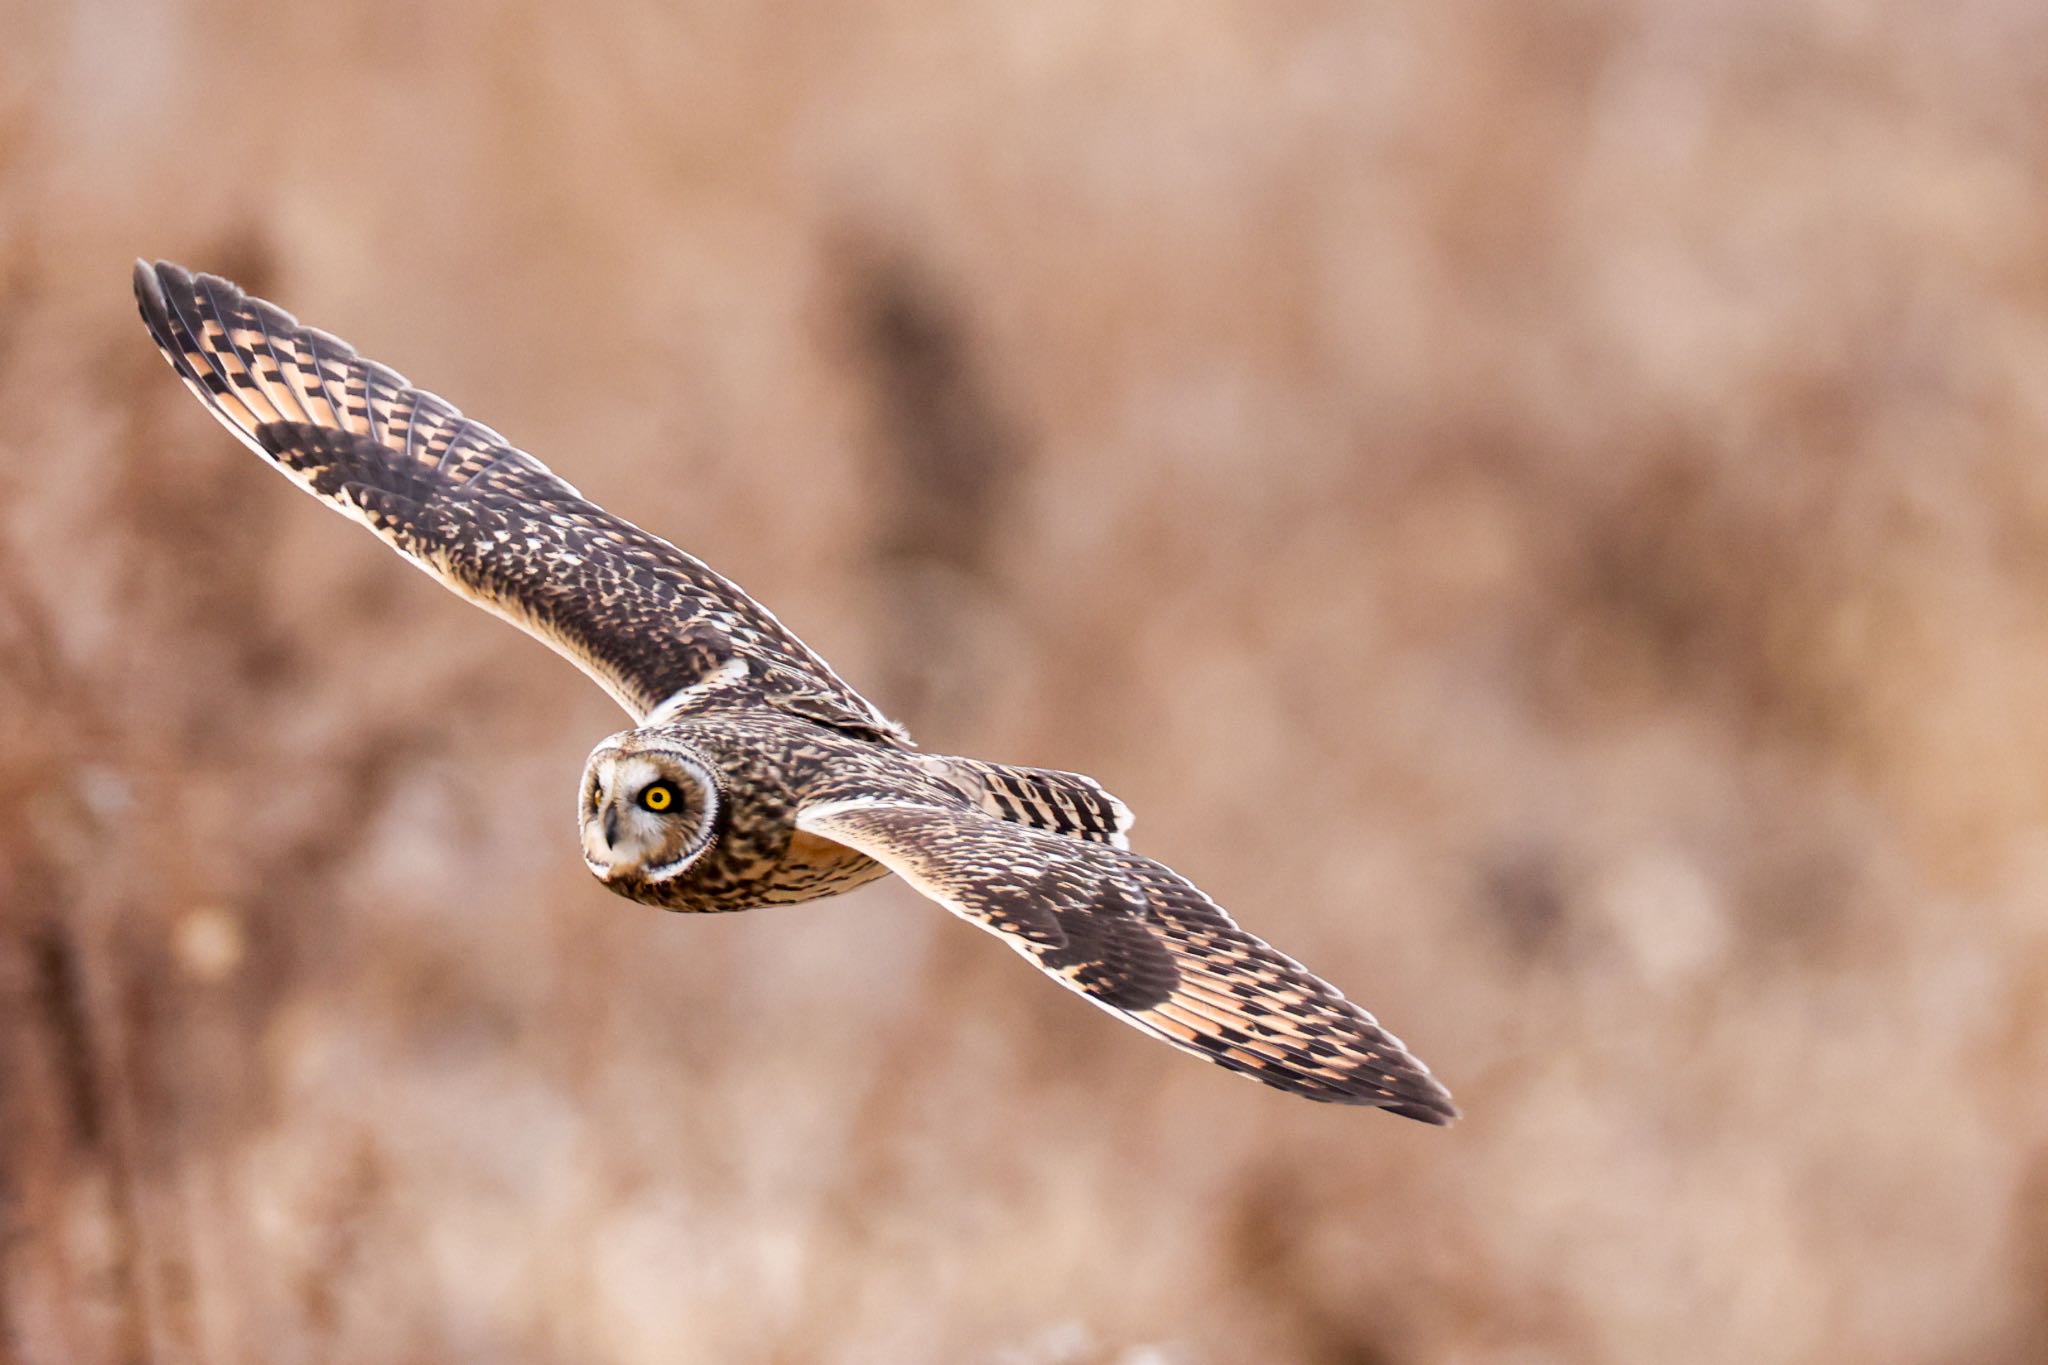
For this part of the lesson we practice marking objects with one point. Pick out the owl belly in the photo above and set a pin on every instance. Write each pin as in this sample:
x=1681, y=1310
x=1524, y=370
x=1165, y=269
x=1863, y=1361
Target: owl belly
x=812, y=867
x=740, y=874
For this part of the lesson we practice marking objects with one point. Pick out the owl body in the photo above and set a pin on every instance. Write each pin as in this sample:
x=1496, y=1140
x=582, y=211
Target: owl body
x=754, y=774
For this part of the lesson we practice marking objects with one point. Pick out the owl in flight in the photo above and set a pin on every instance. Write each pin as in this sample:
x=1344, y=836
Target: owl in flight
x=753, y=775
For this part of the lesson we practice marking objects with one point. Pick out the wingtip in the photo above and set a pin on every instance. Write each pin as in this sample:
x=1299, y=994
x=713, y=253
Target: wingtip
x=153, y=305
x=153, y=278
x=1425, y=1100
x=1406, y=1088
x=1439, y=1113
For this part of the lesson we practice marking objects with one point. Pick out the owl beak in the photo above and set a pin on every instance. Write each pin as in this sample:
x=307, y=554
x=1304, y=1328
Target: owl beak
x=601, y=844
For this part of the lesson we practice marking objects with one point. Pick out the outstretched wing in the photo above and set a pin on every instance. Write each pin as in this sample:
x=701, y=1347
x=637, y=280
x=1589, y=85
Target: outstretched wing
x=651, y=624
x=1140, y=940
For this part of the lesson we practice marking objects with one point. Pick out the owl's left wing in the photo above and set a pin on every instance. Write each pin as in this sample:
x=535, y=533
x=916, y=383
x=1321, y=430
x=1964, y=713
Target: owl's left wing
x=648, y=622
x=1141, y=941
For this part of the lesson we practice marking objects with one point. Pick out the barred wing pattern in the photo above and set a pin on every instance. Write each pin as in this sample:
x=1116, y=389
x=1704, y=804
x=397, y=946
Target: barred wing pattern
x=1045, y=798
x=1141, y=941
x=492, y=523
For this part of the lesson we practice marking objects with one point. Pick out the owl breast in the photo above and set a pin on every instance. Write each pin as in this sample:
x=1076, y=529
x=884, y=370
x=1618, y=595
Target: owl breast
x=754, y=869
x=812, y=867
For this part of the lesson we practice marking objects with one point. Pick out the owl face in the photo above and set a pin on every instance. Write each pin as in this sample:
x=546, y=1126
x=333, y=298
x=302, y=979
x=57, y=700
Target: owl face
x=647, y=810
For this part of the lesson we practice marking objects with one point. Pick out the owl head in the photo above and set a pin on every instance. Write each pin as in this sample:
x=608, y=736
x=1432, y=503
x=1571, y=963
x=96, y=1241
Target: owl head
x=649, y=808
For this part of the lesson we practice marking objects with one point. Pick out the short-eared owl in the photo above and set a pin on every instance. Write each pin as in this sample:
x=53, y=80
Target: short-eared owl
x=752, y=774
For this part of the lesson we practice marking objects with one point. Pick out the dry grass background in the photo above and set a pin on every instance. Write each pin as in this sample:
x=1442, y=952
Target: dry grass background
x=1541, y=508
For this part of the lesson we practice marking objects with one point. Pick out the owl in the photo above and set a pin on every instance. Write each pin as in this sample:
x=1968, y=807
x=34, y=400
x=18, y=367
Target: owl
x=752, y=774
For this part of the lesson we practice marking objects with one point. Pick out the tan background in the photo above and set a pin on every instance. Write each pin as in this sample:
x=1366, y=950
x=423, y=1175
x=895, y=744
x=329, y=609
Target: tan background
x=1541, y=508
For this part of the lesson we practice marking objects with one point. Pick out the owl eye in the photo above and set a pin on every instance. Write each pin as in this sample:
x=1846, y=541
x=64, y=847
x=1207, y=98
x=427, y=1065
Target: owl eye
x=658, y=797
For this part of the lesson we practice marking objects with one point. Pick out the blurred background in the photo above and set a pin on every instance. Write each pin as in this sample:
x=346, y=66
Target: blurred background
x=1543, y=510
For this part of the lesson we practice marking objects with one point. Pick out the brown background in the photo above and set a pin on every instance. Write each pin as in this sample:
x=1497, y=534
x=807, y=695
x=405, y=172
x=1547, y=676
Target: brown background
x=1541, y=508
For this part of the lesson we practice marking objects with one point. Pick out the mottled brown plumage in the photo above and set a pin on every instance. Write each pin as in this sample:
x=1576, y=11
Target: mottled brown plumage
x=753, y=774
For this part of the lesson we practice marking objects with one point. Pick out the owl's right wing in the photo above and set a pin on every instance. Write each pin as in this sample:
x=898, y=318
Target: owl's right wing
x=1141, y=941
x=650, y=623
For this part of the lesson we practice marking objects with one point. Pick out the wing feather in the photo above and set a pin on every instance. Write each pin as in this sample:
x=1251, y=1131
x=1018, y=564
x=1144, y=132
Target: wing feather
x=1141, y=941
x=650, y=623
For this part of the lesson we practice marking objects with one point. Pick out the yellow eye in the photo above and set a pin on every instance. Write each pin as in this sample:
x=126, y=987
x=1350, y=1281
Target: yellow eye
x=658, y=797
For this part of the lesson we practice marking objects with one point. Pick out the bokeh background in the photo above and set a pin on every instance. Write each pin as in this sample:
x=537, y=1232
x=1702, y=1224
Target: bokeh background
x=1543, y=509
